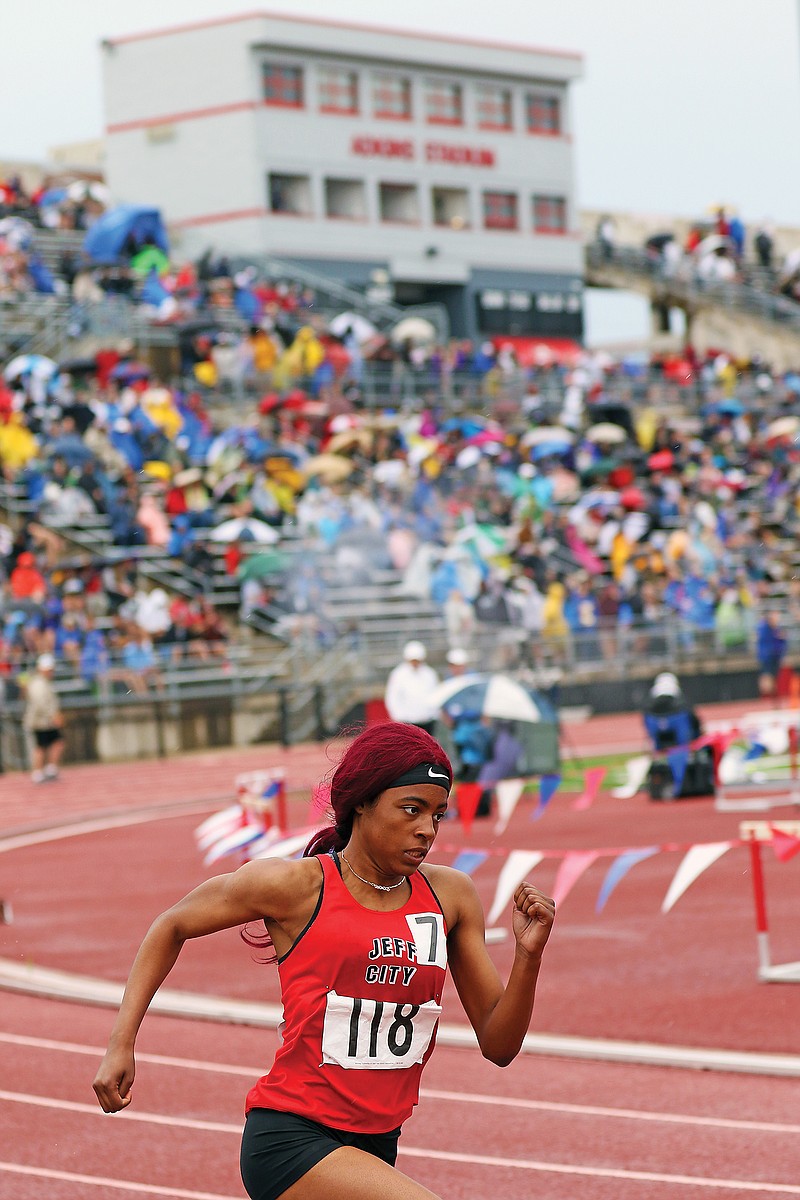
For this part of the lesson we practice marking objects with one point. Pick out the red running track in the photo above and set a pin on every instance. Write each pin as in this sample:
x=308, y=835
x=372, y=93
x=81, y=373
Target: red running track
x=545, y=1127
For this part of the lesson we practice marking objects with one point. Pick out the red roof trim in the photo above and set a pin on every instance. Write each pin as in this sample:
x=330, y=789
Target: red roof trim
x=212, y=22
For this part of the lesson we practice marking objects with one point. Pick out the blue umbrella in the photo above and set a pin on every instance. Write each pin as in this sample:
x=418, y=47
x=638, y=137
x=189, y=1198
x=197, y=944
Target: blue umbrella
x=549, y=450
x=71, y=448
x=130, y=372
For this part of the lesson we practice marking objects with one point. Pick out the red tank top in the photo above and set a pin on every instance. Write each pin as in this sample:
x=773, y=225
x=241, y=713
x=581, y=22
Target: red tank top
x=361, y=996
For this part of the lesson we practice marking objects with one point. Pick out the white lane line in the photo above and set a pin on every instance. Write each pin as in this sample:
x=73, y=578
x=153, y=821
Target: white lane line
x=118, y=1184
x=522, y=1164
x=131, y=1114
x=75, y=829
x=481, y=1160
x=582, y=1110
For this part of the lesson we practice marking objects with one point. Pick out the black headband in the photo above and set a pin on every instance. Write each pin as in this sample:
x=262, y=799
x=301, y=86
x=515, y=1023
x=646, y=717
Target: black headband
x=423, y=773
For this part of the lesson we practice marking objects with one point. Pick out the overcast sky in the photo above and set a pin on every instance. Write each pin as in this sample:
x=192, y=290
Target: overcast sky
x=684, y=103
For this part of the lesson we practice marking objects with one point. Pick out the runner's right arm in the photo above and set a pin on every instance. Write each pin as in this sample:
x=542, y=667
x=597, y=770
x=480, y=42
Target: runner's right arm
x=256, y=889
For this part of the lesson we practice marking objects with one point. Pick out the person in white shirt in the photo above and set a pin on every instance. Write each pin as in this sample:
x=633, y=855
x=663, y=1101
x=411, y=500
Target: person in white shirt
x=409, y=689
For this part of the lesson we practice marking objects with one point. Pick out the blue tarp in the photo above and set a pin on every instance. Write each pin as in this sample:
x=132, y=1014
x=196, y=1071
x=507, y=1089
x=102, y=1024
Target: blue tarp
x=122, y=231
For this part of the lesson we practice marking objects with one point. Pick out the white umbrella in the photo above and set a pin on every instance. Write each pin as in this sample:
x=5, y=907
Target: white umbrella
x=87, y=189
x=35, y=365
x=244, y=527
x=783, y=427
x=415, y=329
x=496, y=696
x=362, y=329
x=606, y=433
x=547, y=433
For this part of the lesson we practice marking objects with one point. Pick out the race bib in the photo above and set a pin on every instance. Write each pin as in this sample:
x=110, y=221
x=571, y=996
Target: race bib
x=427, y=930
x=378, y=1035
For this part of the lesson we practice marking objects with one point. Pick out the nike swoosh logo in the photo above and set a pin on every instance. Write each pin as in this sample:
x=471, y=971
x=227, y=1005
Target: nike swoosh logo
x=435, y=775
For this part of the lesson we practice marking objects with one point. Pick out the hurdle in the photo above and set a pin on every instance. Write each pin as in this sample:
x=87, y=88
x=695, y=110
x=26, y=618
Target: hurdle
x=262, y=796
x=755, y=833
x=751, y=795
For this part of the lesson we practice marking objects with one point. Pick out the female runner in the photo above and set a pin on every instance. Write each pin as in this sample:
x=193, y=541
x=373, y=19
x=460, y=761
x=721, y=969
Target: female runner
x=363, y=934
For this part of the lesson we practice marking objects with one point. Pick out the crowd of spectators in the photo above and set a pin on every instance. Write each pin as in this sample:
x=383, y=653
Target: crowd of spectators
x=580, y=524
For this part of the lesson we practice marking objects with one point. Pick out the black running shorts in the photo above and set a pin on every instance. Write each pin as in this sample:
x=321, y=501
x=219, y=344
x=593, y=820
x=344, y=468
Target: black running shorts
x=279, y=1148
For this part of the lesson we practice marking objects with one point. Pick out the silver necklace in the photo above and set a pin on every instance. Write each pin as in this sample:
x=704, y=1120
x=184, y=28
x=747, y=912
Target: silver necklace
x=379, y=887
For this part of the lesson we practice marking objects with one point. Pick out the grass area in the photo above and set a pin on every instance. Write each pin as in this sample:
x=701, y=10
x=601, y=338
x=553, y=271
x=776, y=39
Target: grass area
x=573, y=770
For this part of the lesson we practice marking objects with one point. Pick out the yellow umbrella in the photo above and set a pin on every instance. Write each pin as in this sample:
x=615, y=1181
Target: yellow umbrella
x=330, y=468
x=158, y=470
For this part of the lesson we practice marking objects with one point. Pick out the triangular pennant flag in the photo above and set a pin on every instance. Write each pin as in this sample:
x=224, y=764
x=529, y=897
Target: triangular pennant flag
x=468, y=797
x=695, y=861
x=619, y=869
x=515, y=868
x=678, y=762
x=548, y=786
x=469, y=860
x=507, y=793
x=591, y=786
x=784, y=845
x=637, y=773
x=572, y=867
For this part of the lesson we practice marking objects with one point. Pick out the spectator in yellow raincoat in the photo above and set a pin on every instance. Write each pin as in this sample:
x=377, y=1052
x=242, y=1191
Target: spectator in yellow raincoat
x=17, y=444
x=554, y=624
x=302, y=358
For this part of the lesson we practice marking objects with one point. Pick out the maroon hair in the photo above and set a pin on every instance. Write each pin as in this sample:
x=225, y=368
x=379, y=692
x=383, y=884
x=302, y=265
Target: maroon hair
x=368, y=767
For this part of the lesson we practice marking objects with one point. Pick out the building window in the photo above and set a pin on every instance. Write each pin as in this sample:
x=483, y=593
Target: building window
x=345, y=199
x=391, y=97
x=399, y=203
x=443, y=103
x=450, y=207
x=338, y=90
x=549, y=214
x=282, y=85
x=493, y=107
x=290, y=194
x=543, y=113
x=500, y=210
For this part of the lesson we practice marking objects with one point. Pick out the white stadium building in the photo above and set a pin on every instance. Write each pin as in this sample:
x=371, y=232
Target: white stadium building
x=438, y=169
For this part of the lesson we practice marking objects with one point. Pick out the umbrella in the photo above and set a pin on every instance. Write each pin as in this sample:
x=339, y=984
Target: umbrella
x=662, y=460
x=147, y=258
x=547, y=433
x=350, y=439
x=18, y=232
x=783, y=427
x=549, y=450
x=246, y=528
x=258, y=566
x=486, y=540
x=606, y=433
x=130, y=372
x=716, y=241
x=36, y=365
x=331, y=468
x=496, y=696
x=86, y=189
x=414, y=329
x=78, y=366
x=71, y=448
x=361, y=328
